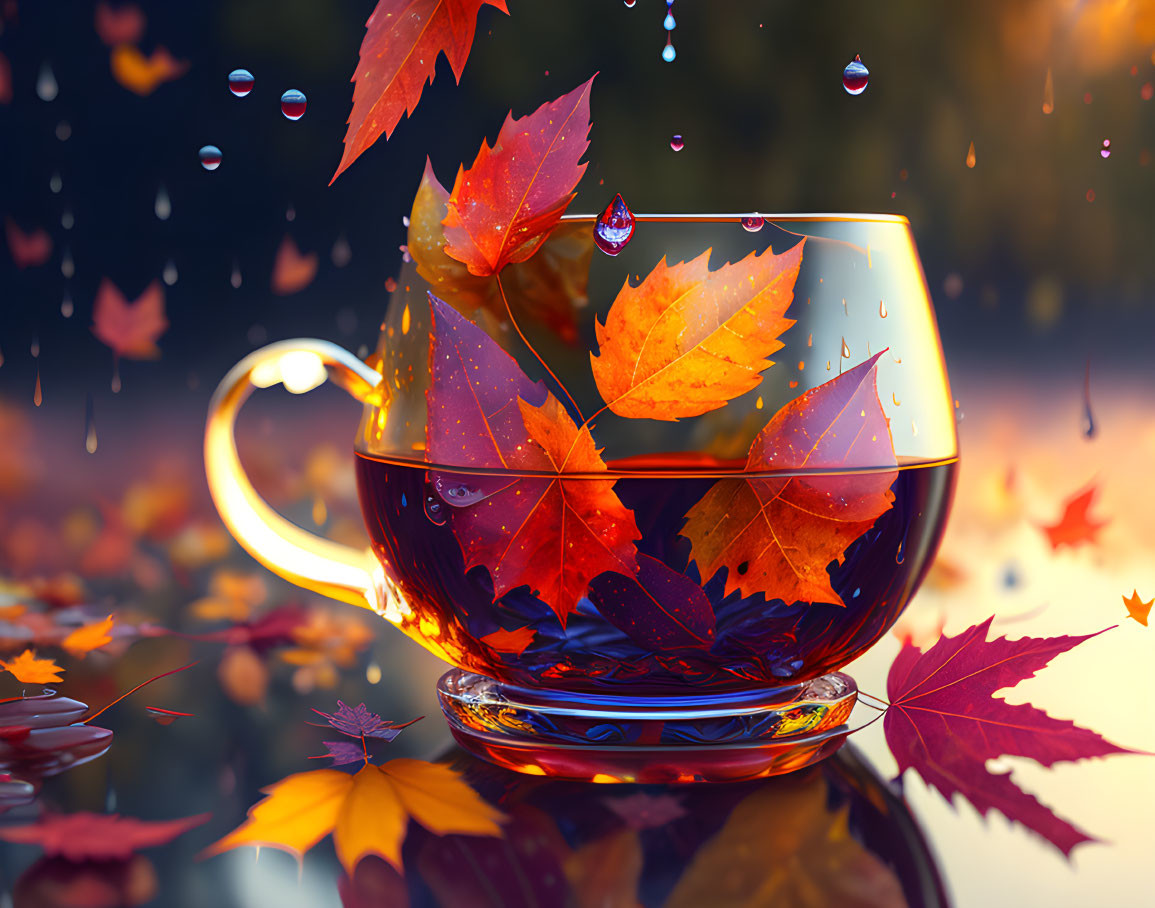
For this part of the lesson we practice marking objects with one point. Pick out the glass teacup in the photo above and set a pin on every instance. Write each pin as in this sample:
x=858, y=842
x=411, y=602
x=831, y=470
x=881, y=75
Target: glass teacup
x=646, y=505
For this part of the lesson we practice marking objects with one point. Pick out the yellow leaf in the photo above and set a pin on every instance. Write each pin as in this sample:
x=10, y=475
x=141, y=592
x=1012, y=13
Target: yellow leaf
x=30, y=670
x=687, y=339
x=440, y=800
x=372, y=821
x=92, y=636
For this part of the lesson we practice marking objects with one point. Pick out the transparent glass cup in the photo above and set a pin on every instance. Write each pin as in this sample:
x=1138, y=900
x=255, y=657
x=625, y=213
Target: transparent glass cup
x=646, y=505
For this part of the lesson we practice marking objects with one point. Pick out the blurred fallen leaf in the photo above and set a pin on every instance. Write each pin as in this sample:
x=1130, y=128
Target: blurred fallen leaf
x=292, y=271
x=119, y=24
x=97, y=837
x=605, y=871
x=243, y=675
x=27, y=669
x=1137, y=608
x=143, y=75
x=92, y=636
x=1076, y=526
x=130, y=329
x=28, y=250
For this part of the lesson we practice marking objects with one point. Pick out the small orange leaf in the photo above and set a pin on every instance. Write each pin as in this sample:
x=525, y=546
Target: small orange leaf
x=1137, y=608
x=143, y=75
x=92, y=636
x=512, y=642
x=130, y=329
x=292, y=271
x=1076, y=526
x=30, y=670
x=687, y=339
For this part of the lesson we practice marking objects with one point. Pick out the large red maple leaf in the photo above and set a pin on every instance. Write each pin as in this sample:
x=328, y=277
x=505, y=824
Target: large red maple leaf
x=944, y=722
x=503, y=207
x=527, y=524
x=398, y=58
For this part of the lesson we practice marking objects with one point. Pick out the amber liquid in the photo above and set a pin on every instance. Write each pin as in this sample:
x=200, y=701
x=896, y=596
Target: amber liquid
x=758, y=642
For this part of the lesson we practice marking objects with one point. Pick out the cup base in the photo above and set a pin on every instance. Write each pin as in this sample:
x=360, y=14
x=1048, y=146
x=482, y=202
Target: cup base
x=727, y=737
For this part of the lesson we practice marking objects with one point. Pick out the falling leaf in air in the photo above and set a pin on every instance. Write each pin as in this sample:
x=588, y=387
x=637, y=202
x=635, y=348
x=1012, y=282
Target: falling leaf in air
x=358, y=722
x=1137, y=608
x=119, y=24
x=97, y=837
x=503, y=208
x=165, y=716
x=687, y=339
x=27, y=669
x=778, y=534
x=292, y=271
x=944, y=722
x=367, y=813
x=130, y=329
x=143, y=75
x=1076, y=526
x=28, y=250
x=398, y=58
x=484, y=413
x=92, y=636
x=659, y=608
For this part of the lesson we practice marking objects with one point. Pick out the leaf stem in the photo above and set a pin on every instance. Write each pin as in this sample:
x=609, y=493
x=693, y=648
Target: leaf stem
x=885, y=703
x=135, y=689
x=364, y=748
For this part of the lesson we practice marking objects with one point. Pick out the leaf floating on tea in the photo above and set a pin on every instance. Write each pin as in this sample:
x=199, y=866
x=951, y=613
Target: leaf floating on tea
x=777, y=535
x=130, y=329
x=687, y=339
x=658, y=608
x=944, y=722
x=398, y=58
x=27, y=669
x=1076, y=526
x=1137, y=608
x=502, y=209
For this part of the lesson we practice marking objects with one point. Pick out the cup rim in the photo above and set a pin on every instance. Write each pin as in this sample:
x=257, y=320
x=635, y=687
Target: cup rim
x=772, y=217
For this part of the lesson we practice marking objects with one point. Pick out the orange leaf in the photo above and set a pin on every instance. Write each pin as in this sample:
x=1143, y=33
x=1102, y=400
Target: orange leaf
x=292, y=272
x=503, y=208
x=513, y=642
x=777, y=535
x=1076, y=526
x=130, y=329
x=92, y=636
x=30, y=670
x=143, y=75
x=243, y=675
x=687, y=339
x=398, y=57
x=1137, y=608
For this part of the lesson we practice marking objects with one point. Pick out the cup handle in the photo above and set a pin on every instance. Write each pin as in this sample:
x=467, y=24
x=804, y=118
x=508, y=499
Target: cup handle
x=310, y=561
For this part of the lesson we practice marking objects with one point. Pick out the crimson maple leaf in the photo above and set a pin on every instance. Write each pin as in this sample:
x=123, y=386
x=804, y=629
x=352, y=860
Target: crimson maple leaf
x=398, y=58
x=28, y=250
x=944, y=722
x=1076, y=526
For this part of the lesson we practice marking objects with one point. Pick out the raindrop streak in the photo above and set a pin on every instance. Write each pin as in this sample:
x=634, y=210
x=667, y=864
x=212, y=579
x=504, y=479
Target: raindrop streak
x=293, y=104
x=1049, y=93
x=66, y=307
x=55, y=183
x=169, y=275
x=240, y=82
x=676, y=143
x=210, y=157
x=668, y=52
x=90, y=441
x=67, y=266
x=37, y=394
x=753, y=223
x=34, y=349
x=881, y=309
x=1090, y=430
x=1105, y=151
x=855, y=77
x=235, y=277
x=971, y=156
x=615, y=226
x=46, y=87
x=341, y=253
x=115, y=384
x=162, y=207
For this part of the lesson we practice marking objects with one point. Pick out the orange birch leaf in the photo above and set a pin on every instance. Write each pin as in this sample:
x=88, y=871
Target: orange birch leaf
x=27, y=669
x=143, y=75
x=92, y=636
x=1076, y=526
x=502, y=209
x=777, y=535
x=687, y=339
x=292, y=271
x=398, y=58
x=130, y=329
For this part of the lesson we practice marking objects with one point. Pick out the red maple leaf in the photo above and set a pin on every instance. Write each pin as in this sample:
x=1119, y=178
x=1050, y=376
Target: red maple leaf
x=292, y=271
x=1076, y=526
x=398, y=58
x=503, y=208
x=28, y=250
x=512, y=642
x=97, y=837
x=119, y=24
x=945, y=723
x=535, y=530
x=130, y=329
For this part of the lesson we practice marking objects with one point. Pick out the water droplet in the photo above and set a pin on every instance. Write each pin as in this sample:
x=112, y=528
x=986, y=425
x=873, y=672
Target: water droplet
x=67, y=266
x=66, y=307
x=290, y=214
x=63, y=131
x=90, y=440
x=668, y=52
x=435, y=510
x=115, y=383
x=630, y=3
x=759, y=403
x=293, y=104
x=373, y=673
x=615, y=226
x=1049, y=93
x=404, y=501
x=162, y=207
x=46, y=87
x=37, y=393
x=845, y=349
x=169, y=275
x=405, y=320
x=881, y=309
x=753, y=223
x=34, y=348
x=67, y=219
x=240, y=82
x=855, y=77
x=55, y=183
x=971, y=156
x=1105, y=151
x=677, y=143
x=341, y=254
x=210, y=157
x=1090, y=430
x=235, y=277
x=669, y=24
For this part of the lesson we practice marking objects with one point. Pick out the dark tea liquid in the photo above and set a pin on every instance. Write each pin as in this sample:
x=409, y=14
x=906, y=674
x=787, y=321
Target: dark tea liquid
x=757, y=642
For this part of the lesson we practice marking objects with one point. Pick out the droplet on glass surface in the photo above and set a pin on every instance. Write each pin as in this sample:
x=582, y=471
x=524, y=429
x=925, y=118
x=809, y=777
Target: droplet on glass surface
x=235, y=277
x=66, y=307
x=169, y=274
x=67, y=219
x=1105, y=151
x=293, y=104
x=435, y=510
x=55, y=183
x=162, y=207
x=46, y=87
x=210, y=157
x=240, y=82
x=63, y=131
x=881, y=309
x=37, y=392
x=67, y=266
x=971, y=156
x=753, y=223
x=855, y=77
x=668, y=52
x=90, y=440
x=845, y=349
x=1049, y=93
x=677, y=143
x=615, y=226
x=669, y=24
x=341, y=254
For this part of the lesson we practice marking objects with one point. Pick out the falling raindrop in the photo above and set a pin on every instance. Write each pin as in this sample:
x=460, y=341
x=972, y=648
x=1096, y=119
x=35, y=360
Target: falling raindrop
x=115, y=383
x=63, y=131
x=753, y=223
x=1049, y=93
x=66, y=307
x=1090, y=430
x=881, y=309
x=162, y=207
x=971, y=156
x=37, y=392
x=55, y=183
x=677, y=143
x=67, y=266
x=46, y=87
x=855, y=77
x=90, y=440
x=235, y=277
x=668, y=52
x=341, y=253
x=34, y=348
x=669, y=24
x=290, y=214
x=615, y=226
x=210, y=157
x=373, y=673
x=1105, y=151
x=169, y=274
x=293, y=104
x=240, y=82
x=845, y=349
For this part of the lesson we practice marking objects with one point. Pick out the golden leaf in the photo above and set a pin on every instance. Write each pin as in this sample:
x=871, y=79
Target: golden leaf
x=30, y=670
x=92, y=636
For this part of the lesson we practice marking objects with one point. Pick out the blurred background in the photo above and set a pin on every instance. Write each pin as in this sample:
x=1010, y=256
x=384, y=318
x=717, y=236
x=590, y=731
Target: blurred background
x=1036, y=247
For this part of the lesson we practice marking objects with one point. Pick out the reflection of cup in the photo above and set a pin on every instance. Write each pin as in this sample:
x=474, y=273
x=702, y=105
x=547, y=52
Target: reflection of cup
x=829, y=835
x=650, y=563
